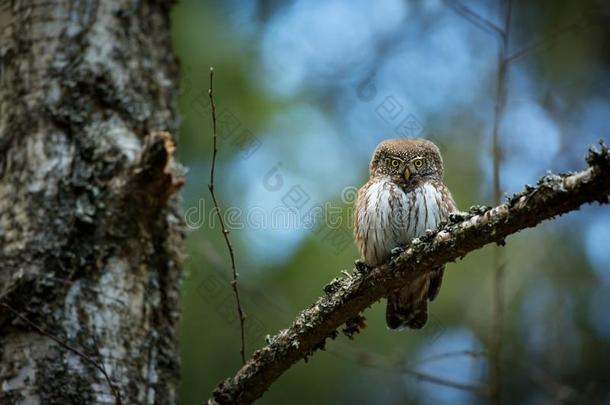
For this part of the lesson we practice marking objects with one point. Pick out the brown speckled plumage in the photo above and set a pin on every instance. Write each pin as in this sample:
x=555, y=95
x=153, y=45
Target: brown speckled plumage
x=404, y=196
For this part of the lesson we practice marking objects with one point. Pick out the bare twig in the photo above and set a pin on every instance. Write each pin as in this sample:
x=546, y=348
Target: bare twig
x=382, y=363
x=115, y=392
x=346, y=297
x=103, y=366
x=457, y=353
x=548, y=40
x=476, y=19
x=225, y=231
x=533, y=372
x=499, y=262
x=421, y=376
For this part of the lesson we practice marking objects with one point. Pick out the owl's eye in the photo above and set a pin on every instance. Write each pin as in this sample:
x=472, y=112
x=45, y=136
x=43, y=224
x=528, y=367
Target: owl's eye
x=418, y=163
x=394, y=163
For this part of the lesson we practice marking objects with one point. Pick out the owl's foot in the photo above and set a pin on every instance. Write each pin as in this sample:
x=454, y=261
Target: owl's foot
x=361, y=267
x=458, y=216
x=396, y=251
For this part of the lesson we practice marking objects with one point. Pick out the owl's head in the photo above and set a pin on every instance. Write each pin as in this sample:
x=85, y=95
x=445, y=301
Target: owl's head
x=407, y=161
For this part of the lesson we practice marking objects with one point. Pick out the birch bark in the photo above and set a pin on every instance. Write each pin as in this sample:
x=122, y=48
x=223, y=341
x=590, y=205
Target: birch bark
x=90, y=235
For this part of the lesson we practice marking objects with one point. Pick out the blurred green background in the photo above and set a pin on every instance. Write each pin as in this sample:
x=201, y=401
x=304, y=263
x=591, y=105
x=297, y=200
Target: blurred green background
x=305, y=90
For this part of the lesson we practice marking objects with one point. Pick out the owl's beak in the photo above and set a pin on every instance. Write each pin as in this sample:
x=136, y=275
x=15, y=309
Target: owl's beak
x=407, y=173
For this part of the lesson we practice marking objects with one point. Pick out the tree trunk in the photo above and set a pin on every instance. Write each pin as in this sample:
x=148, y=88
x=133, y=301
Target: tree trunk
x=90, y=235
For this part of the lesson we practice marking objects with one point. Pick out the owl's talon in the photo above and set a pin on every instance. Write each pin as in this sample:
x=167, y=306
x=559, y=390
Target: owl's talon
x=456, y=217
x=361, y=267
x=396, y=251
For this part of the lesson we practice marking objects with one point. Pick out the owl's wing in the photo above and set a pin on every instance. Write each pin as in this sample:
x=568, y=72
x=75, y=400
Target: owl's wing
x=448, y=206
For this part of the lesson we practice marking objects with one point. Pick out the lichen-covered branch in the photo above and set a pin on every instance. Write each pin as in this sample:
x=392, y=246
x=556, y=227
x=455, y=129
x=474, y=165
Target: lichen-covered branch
x=345, y=298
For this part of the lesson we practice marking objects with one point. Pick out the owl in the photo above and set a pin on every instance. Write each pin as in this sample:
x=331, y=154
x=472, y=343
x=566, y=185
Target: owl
x=404, y=197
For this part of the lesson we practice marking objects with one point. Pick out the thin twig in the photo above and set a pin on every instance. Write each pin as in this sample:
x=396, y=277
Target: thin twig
x=456, y=353
x=476, y=19
x=544, y=42
x=421, y=376
x=62, y=343
x=495, y=371
x=101, y=362
x=225, y=231
x=534, y=373
x=377, y=362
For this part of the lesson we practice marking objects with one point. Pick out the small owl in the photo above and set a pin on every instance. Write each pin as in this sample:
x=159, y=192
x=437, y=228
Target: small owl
x=404, y=196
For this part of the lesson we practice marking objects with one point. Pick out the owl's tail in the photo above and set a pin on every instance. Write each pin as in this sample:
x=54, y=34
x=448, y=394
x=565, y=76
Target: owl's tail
x=402, y=314
x=408, y=307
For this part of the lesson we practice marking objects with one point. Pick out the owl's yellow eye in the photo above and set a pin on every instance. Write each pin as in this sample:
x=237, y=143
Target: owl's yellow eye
x=418, y=163
x=395, y=163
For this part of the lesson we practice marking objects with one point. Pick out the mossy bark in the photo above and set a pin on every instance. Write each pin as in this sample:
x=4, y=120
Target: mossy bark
x=90, y=234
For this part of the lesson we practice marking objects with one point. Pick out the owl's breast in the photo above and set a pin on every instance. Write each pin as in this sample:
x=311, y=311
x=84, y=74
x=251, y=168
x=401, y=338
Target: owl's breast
x=387, y=216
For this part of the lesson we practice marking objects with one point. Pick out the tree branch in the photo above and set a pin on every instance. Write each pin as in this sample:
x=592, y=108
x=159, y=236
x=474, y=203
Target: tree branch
x=346, y=297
